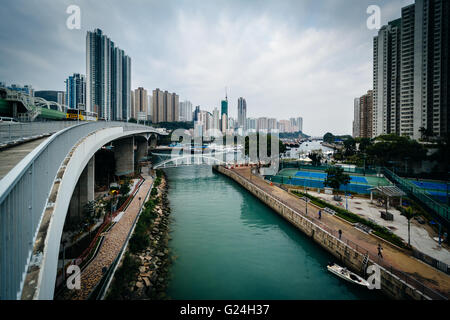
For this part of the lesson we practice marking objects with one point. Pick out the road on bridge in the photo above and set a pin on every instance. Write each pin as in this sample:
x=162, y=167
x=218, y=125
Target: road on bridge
x=10, y=157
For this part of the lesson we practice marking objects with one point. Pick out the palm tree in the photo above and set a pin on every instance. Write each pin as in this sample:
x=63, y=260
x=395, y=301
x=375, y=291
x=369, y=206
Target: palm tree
x=409, y=214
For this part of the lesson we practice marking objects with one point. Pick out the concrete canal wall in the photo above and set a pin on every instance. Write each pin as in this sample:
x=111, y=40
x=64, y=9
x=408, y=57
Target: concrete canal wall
x=391, y=285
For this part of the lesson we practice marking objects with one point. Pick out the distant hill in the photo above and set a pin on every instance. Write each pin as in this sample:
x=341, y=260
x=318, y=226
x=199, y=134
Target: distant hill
x=293, y=135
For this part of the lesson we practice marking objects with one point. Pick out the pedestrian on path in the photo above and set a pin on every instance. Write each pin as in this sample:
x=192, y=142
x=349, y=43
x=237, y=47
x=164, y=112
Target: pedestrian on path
x=320, y=214
x=340, y=234
x=379, y=251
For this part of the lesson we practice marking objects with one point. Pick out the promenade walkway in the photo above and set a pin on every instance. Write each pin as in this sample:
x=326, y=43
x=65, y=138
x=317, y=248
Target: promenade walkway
x=392, y=255
x=113, y=242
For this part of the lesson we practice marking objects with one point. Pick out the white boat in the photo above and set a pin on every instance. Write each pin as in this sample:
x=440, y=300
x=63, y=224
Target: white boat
x=347, y=275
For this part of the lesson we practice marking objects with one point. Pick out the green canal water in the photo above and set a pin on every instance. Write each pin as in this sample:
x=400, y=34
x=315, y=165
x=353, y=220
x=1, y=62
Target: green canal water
x=229, y=245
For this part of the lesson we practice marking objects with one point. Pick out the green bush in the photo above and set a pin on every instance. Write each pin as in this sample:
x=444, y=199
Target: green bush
x=123, y=276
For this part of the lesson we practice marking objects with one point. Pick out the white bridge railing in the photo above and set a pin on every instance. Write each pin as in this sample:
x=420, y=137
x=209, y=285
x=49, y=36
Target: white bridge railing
x=23, y=197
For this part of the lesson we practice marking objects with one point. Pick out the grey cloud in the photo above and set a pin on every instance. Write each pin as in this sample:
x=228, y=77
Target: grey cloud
x=288, y=58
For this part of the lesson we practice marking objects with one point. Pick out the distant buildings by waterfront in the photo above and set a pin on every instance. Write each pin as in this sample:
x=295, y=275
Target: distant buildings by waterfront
x=411, y=69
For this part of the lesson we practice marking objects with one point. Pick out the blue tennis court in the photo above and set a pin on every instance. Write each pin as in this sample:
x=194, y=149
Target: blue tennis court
x=309, y=174
x=323, y=176
x=358, y=179
x=431, y=185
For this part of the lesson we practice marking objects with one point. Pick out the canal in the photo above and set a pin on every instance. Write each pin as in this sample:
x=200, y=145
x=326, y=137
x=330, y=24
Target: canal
x=229, y=245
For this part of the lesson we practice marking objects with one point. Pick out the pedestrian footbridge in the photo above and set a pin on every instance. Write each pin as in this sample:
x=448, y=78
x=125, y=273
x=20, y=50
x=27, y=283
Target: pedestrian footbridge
x=35, y=197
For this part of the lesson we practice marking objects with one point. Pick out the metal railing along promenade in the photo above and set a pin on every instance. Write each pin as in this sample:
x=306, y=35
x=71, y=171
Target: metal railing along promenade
x=427, y=291
x=23, y=199
x=11, y=132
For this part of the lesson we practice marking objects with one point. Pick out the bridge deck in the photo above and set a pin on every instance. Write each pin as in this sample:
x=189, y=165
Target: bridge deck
x=10, y=157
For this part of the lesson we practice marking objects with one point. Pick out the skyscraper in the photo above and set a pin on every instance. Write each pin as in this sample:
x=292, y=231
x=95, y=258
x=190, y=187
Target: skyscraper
x=224, y=107
x=356, y=118
x=108, y=73
x=242, y=113
x=386, y=79
x=366, y=114
x=165, y=106
x=411, y=71
x=141, y=103
x=76, y=91
x=185, y=111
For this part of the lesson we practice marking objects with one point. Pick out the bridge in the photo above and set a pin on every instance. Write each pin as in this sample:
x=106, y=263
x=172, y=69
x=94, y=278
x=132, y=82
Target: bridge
x=27, y=108
x=190, y=160
x=55, y=178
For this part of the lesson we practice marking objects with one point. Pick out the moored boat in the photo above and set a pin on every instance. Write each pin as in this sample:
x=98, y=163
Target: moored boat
x=346, y=274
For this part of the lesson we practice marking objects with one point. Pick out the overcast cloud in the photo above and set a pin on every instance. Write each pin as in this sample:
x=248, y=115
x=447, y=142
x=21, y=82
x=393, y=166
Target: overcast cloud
x=287, y=58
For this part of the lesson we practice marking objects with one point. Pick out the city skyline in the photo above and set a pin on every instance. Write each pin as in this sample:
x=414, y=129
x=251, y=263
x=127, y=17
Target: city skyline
x=253, y=40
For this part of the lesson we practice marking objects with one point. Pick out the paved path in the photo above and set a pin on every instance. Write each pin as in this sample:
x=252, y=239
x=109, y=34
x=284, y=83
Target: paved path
x=112, y=244
x=391, y=255
x=10, y=157
x=421, y=235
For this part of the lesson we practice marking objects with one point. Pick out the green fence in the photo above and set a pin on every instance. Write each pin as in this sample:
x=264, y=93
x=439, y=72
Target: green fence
x=301, y=166
x=309, y=183
x=419, y=194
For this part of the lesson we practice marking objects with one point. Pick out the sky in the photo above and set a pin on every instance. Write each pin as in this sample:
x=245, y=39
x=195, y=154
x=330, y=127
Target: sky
x=307, y=58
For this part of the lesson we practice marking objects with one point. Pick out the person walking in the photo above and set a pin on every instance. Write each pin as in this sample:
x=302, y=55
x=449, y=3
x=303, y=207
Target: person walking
x=340, y=234
x=320, y=214
x=379, y=251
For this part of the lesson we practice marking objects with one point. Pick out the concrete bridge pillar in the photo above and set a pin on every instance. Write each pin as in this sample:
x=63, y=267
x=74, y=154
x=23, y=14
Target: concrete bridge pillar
x=83, y=192
x=142, y=150
x=124, y=156
x=153, y=140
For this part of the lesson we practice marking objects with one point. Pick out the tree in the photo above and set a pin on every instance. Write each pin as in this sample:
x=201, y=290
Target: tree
x=409, y=214
x=349, y=147
x=336, y=177
x=316, y=158
x=133, y=120
x=426, y=133
x=328, y=137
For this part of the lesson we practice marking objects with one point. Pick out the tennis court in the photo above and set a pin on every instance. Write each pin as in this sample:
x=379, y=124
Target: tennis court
x=323, y=176
x=430, y=185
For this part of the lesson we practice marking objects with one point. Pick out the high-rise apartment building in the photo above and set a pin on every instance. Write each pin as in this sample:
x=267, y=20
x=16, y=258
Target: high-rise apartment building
x=242, y=113
x=185, y=111
x=366, y=115
x=251, y=123
x=108, y=78
x=76, y=91
x=411, y=71
x=262, y=124
x=356, y=118
x=165, y=106
x=141, y=104
x=272, y=124
x=386, y=79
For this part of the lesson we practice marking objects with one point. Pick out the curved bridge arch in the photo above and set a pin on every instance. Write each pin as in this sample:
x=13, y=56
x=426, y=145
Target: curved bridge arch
x=42, y=181
x=186, y=161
